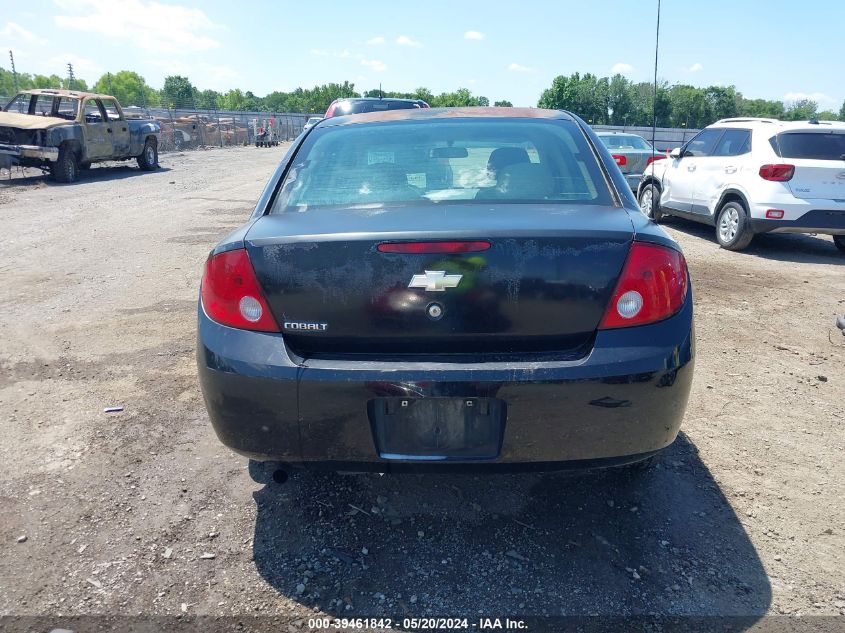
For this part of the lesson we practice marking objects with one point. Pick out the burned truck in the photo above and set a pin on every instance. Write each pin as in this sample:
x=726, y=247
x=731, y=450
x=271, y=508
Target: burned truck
x=64, y=131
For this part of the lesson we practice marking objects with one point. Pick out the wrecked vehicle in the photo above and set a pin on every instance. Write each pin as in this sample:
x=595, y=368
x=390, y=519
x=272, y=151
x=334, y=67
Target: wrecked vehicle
x=66, y=131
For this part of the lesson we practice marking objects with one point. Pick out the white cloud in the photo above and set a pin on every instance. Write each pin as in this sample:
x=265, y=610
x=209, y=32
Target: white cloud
x=145, y=24
x=822, y=100
x=404, y=40
x=374, y=64
x=375, y=41
x=622, y=68
x=696, y=67
x=344, y=54
x=16, y=31
x=519, y=68
x=473, y=35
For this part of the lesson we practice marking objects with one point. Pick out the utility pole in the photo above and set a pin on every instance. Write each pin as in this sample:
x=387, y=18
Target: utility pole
x=14, y=72
x=70, y=76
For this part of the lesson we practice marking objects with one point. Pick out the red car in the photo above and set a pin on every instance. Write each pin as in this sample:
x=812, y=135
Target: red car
x=357, y=105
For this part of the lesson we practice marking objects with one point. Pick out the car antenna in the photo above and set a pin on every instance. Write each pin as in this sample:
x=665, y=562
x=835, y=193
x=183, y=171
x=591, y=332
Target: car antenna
x=654, y=98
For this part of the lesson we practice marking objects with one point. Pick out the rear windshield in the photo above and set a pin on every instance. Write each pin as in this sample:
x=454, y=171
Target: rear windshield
x=456, y=161
x=358, y=107
x=624, y=141
x=814, y=145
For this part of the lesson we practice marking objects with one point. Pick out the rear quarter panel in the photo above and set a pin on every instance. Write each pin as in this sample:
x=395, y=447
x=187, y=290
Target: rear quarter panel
x=139, y=131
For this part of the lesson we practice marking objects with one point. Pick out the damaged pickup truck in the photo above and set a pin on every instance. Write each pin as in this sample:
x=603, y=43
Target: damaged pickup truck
x=65, y=131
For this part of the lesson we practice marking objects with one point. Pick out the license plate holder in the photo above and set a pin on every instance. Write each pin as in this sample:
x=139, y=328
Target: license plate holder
x=438, y=429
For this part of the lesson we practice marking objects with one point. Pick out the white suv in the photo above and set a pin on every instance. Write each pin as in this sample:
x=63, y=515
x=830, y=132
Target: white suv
x=748, y=176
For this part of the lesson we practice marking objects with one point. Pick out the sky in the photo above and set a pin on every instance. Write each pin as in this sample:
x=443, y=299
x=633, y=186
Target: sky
x=502, y=50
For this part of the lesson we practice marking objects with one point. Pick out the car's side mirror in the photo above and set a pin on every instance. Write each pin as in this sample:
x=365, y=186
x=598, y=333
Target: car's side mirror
x=675, y=153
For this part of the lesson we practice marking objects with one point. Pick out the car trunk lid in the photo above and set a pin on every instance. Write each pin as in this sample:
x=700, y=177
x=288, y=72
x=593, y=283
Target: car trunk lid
x=819, y=160
x=541, y=286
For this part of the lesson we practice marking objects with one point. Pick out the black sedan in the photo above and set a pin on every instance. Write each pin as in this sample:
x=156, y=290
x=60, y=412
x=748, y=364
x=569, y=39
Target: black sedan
x=447, y=288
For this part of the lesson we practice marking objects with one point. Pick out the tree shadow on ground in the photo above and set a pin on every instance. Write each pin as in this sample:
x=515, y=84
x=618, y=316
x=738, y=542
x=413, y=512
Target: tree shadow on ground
x=665, y=542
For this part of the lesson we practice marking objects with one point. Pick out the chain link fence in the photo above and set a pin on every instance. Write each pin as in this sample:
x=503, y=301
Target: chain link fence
x=187, y=127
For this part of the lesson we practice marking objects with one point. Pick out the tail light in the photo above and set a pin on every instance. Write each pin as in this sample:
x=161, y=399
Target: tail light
x=620, y=160
x=652, y=287
x=777, y=173
x=231, y=294
x=654, y=158
x=330, y=112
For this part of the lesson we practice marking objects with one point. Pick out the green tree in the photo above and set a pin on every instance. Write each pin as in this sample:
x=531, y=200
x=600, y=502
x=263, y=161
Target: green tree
x=801, y=110
x=826, y=115
x=232, y=100
x=722, y=101
x=561, y=94
x=761, y=108
x=620, y=105
x=586, y=96
x=842, y=112
x=206, y=99
x=178, y=92
x=689, y=107
x=42, y=81
x=503, y=104
x=128, y=87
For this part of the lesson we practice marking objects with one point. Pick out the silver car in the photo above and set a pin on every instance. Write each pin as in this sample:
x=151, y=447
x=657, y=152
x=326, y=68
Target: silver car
x=311, y=122
x=631, y=152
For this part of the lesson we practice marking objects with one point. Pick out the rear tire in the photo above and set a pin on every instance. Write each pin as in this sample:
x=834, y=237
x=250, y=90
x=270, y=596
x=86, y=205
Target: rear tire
x=733, y=228
x=650, y=203
x=66, y=168
x=839, y=240
x=148, y=159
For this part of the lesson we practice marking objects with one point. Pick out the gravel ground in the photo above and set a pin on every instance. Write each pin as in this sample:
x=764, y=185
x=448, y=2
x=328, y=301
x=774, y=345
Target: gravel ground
x=144, y=513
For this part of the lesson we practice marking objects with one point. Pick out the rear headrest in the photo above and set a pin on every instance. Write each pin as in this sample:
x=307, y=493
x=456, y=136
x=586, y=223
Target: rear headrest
x=504, y=156
x=526, y=181
x=381, y=176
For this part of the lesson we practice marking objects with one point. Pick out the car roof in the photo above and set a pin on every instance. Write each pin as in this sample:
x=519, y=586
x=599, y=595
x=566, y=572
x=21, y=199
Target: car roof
x=616, y=133
x=75, y=94
x=424, y=114
x=777, y=125
x=394, y=99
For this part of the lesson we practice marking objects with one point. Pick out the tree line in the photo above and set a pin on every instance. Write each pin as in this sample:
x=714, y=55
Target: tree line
x=618, y=101
x=599, y=100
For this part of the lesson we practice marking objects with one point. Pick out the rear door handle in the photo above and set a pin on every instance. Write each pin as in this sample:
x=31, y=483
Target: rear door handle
x=730, y=169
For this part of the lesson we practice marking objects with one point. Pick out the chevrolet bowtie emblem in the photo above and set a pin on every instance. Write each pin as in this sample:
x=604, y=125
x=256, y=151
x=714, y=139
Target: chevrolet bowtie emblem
x=435, y=281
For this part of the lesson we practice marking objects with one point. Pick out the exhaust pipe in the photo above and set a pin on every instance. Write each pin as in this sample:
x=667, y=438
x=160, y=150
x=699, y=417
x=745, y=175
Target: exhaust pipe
x=280, y=476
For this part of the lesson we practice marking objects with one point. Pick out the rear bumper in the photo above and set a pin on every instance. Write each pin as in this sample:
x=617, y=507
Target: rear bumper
x=827, y=221
x=622, y=402
x=30, y=151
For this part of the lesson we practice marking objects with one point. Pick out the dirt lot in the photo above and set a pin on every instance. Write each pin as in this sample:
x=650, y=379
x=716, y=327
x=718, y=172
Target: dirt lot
x=143, y=512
